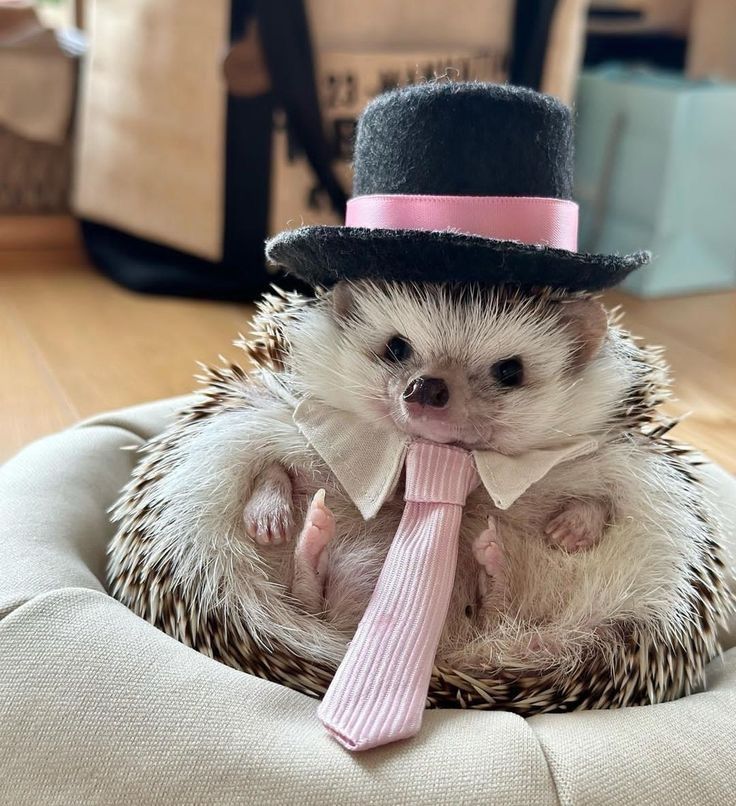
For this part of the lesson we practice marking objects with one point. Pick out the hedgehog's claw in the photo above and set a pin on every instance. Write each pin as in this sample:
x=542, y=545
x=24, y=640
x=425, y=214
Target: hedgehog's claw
x=578, y=526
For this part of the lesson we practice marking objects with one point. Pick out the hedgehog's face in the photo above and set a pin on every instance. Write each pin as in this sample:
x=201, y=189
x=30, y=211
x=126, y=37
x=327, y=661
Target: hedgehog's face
x=477, y=368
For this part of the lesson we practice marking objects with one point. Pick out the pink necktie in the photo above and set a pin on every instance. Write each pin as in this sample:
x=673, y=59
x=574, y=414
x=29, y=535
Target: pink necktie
x=379, y=691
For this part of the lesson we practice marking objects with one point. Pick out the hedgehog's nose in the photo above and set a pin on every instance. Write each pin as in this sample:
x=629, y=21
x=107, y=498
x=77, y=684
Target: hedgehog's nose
x=427, y=392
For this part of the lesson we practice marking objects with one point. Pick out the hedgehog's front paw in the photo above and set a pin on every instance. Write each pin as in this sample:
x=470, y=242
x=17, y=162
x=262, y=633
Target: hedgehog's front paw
x=269, y=512
x=578, y=525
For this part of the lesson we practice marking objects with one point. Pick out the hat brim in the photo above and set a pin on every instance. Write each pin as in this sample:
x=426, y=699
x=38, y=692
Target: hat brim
x=322, y=255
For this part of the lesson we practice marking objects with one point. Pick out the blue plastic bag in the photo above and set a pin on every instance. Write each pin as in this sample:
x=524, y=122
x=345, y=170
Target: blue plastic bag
x=656, y=169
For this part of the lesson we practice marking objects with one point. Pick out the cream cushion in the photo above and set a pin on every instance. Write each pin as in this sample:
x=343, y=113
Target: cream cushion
x=97, y=706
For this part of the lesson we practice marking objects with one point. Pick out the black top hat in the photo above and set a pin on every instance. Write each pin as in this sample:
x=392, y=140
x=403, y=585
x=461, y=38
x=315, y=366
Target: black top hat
x=458, y=182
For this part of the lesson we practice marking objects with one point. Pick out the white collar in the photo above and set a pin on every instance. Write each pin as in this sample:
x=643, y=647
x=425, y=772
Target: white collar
x=367, y=459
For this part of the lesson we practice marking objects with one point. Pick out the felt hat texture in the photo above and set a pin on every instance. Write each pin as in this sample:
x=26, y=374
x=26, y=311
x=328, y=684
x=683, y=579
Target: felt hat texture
x=454, y=140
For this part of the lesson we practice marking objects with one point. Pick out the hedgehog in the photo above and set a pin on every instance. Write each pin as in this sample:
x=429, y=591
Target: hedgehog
x=603, y=586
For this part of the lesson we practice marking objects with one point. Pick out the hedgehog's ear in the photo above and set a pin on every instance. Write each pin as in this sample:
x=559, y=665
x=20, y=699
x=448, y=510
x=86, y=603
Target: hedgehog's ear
x=343, y=299
x=587, y=322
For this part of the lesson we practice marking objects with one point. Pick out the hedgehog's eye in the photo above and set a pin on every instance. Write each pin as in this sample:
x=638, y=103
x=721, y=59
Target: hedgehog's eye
x=397, y=349
x=509, y=371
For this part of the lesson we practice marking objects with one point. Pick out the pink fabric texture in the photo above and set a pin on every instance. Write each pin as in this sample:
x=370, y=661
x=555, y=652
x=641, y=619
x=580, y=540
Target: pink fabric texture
x=527, y=219
x=379, y=691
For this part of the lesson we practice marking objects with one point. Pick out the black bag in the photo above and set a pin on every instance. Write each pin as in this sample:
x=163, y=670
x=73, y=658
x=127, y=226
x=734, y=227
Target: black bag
x=143, y=265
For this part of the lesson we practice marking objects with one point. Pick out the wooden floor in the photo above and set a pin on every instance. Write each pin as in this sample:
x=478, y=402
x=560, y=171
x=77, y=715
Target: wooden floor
x=73, y=344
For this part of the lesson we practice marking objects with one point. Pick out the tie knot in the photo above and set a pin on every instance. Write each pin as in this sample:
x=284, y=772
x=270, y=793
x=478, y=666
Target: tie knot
x=439, y=474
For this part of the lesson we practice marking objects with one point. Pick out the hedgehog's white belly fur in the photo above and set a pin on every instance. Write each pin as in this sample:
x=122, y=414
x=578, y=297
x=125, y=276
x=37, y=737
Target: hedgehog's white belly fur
x=554, y=608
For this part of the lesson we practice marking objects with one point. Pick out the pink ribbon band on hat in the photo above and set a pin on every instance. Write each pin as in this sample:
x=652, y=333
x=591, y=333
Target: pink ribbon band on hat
x=527, y=219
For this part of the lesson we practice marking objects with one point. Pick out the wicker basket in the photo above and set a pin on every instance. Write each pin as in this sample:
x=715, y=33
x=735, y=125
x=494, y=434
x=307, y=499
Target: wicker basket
x=35, y=177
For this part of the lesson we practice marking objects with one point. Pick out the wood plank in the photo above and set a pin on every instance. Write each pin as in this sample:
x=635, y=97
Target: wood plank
x=34, y=232
x=31, y=404
x=699, y=336
x=706, y=322
x=111, y=348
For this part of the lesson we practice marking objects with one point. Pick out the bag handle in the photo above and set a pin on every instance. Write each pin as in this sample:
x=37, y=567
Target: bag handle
x=287, y=49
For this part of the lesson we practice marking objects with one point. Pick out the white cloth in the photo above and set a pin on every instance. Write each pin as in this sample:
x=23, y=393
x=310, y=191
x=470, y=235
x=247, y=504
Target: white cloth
x=97, y=706
x=367, y=458
x=37, y=78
